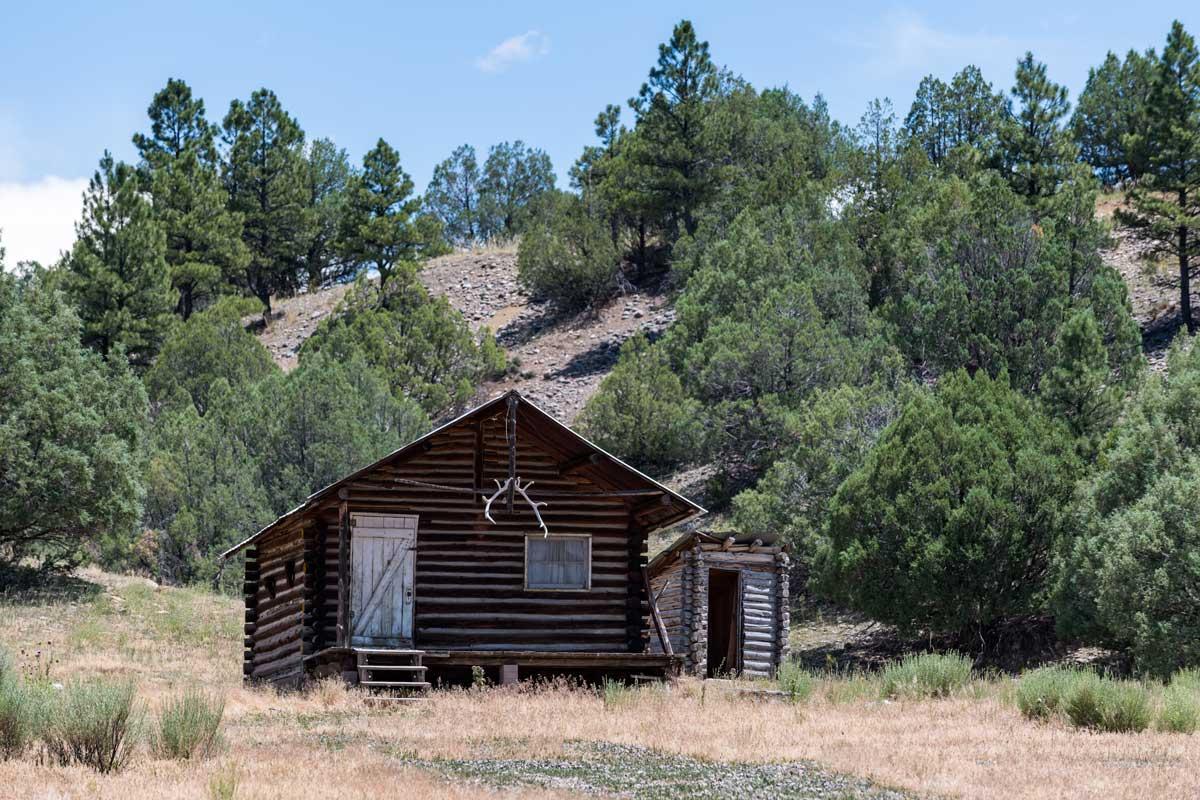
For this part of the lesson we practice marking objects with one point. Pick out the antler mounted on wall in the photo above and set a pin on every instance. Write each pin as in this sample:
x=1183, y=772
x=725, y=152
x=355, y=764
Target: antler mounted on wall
x=515, y=485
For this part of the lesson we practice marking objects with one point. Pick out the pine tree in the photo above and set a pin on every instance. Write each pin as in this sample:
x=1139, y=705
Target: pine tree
x=514, y=176
x=927, y=122
x=1035, y=149
x=384, y=226
x=328, y=177
x=1078, y=388
x=117, y=271
x=974, y=110
x=265, y=176
x=453, y=196
x=1164, y=208
x=1111, y=113
x=179, y=168
x=670, y=111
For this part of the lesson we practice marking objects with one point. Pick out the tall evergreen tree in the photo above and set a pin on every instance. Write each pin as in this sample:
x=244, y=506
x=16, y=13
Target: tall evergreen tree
x=179, y=169
x=264, y=175
x=1164, y=208
x=117, y=270
x=328, y=176
x=963, y=113
x=1035, y=149
x=514, y=176
x=453, y=196
x=1110, y=115
x=71, y=431
x=384, y=226
x=670, y=111
x=975, y=110
x=928, y=120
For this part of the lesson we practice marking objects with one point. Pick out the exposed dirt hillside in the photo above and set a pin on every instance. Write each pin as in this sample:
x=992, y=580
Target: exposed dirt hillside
x=1155, y=300
x=561, y=360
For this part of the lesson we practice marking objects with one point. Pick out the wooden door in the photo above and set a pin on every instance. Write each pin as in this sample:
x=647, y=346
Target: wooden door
x=383, y=556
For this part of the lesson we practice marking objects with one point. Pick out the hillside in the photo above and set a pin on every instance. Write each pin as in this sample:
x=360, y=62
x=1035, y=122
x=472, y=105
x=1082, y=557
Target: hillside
x=560, y=361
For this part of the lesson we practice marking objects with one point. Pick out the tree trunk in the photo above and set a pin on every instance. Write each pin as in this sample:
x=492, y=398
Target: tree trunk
x=1185, y=288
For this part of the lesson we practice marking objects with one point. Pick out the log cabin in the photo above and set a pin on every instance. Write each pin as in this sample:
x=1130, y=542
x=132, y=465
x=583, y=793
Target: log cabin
x=721, y=603
x=502, y=541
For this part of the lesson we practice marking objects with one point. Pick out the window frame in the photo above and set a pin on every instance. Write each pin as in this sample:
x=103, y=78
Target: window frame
x=587, y=587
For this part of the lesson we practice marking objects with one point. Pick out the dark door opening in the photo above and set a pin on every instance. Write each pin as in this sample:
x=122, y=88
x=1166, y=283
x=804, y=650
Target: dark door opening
x=724, y=590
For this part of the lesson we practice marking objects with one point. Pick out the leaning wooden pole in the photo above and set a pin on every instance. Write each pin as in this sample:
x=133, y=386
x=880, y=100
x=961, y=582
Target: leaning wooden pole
x=658, y=623
x=343, y=607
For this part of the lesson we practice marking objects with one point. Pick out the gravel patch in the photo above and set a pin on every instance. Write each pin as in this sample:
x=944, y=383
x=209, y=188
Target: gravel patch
x=625, y=771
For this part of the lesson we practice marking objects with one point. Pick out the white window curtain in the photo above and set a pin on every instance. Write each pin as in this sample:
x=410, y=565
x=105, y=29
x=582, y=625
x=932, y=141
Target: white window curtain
x=558, y=562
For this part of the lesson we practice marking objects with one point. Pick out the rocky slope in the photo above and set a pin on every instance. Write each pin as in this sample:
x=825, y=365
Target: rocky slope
x=560, y=360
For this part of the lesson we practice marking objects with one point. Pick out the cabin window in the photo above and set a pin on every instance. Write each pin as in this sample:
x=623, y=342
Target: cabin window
x=558, y=562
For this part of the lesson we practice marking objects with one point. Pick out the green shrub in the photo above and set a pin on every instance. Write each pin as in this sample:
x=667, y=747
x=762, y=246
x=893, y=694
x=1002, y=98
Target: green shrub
x=567, y=255
x=1180, y=710
x=925, y=675
x=1104, y=704
x=795, y=680
x=95, y=723
x=948, y=522
x=16, y=723
x=1043, y=693
x=189, y=726
x=641, y=412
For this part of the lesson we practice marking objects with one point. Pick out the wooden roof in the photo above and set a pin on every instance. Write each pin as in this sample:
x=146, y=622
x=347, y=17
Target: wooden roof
x=742, y=542
x=660, y=505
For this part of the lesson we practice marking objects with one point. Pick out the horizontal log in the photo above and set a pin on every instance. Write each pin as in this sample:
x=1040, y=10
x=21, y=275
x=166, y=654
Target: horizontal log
x=274, y=669
x=268, y=644
x=563, y=614
x=606, y=648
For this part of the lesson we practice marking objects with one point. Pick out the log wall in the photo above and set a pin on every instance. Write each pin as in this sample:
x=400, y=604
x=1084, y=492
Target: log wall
x=469, y=572
x=765, y=616
x=276, y=630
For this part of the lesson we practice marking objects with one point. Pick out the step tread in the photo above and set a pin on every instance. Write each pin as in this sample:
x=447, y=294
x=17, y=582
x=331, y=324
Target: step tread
x=397, y=684
x=387, y=652
x=392, y=666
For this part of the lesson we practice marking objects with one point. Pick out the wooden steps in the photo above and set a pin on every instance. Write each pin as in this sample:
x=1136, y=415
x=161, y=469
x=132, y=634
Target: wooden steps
x=396, y=672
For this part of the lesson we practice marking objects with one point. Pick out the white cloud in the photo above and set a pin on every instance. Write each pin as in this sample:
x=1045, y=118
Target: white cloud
x=514, y=50
x=37, y=218
x=905, y=41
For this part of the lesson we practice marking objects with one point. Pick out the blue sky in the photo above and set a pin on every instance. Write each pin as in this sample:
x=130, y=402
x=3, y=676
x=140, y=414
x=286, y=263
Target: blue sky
x=75, y=78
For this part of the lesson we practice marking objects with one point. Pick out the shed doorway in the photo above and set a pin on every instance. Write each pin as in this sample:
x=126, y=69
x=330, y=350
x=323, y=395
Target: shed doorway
x=724, y=611
x=382, y=562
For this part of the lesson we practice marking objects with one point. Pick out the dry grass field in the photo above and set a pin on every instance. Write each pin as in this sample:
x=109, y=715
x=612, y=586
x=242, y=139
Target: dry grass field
x=691, y=739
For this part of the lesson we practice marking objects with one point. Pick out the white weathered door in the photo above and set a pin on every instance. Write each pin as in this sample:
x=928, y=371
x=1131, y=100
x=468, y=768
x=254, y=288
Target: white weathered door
x=383, y=557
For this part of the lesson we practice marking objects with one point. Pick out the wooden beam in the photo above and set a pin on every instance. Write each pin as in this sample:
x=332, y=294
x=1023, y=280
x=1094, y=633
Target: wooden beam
x=546, y=658
x=658, y=623
x=343, y=610
x=728, y=543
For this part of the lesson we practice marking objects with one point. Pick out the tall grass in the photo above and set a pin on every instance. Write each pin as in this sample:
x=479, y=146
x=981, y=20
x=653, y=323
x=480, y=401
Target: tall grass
x=96, y=723
x=1103, y=704
x=1085, y=699
x=796, y=681
x=925, y=675
x=16, y=724
x=1179, y=711
x=189, y=726
x=1042, y=693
